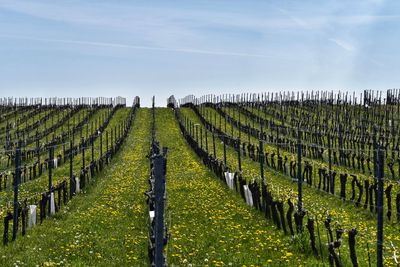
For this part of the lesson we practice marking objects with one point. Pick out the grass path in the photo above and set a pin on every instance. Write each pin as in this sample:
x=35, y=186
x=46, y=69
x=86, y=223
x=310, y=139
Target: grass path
x=210, y=225
x=318, y=205
x=106, y=226
x=33, y=188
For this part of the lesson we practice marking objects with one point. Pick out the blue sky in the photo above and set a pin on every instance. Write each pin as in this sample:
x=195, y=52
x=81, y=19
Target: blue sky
x=145, y=48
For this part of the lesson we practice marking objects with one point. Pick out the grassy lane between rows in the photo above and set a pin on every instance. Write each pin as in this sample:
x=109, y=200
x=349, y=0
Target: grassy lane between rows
x=318, y=206
x=34, y=188
x=106, y=226
x=44, y=140
x=210, y=225
x=316, y=164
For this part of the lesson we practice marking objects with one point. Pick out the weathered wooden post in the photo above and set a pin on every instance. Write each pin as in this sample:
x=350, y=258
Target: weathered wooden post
x=213, y=137
x=50, y=166
x=17, y=179
x=239, y=156
x=71, y=175
x=379, y=260
x=159, y=188
x=299, y=178
x=225, y=151
x=261, y=157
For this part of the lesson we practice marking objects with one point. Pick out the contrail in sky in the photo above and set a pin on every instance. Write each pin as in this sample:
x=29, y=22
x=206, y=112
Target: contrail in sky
x=129, y=46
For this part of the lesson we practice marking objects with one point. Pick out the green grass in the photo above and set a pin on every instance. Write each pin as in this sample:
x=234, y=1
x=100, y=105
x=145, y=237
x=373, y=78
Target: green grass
x=46, y=139
x=106, y=226
x=318, y=204
x=32, y=189
x=208, y=223
x=314, y=162
x=233, y=112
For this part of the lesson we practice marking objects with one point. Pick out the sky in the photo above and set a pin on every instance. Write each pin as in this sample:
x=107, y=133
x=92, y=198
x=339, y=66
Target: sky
x=145, y=48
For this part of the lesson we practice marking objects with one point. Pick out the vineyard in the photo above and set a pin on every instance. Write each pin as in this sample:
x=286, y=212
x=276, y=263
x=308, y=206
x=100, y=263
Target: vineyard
x=271, y=179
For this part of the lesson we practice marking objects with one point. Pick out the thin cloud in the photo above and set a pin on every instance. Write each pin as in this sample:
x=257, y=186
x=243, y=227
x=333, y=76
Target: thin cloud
x=129, y=46
x=136, y=19
x=343, y=44
x=298, y=21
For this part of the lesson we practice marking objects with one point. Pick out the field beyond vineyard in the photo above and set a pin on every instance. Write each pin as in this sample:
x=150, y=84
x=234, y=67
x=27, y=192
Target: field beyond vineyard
x=308, y=179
